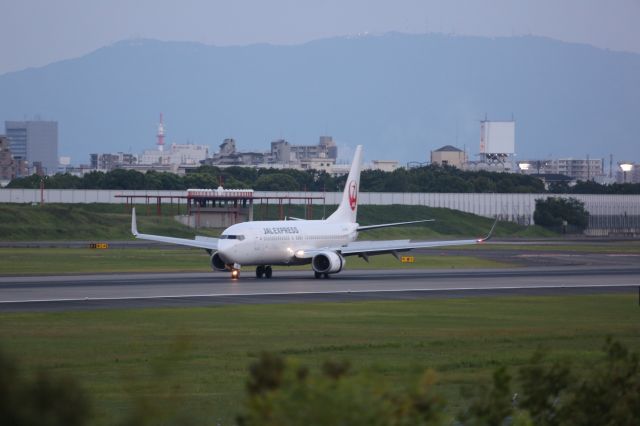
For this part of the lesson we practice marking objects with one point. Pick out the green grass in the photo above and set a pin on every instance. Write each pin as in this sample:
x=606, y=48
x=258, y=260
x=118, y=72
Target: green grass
x=33, y=261
x=25, y=222
x=201, y=355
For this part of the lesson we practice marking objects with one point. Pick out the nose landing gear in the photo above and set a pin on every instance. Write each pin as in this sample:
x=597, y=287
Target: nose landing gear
x=264, y=270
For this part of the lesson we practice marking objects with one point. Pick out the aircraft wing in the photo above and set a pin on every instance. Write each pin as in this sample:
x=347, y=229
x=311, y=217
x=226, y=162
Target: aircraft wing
x=387, y=225
x=199, y=242
x=370, y=248
x=365, y=249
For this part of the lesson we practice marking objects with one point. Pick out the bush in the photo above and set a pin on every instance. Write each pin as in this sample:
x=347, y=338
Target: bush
x=556, y=213
x=544, y=393
x=40, y=400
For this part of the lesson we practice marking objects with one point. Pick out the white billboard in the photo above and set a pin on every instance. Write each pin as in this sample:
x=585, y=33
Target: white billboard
x=497, y=137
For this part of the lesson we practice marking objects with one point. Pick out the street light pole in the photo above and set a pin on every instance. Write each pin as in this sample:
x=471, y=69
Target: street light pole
x=626, y=167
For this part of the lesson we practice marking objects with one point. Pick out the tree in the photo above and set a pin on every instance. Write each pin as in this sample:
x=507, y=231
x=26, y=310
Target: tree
x=282, y=392
x=550, y=393
x=555, y=212
x=276, y=182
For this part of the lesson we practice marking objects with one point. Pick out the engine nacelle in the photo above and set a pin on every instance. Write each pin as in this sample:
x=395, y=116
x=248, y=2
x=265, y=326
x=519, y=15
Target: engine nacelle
x=327, y=262
x=217, y=263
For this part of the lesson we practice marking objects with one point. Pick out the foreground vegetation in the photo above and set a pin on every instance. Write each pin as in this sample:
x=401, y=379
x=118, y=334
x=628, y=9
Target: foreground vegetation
x=283, y=392
x=191, y=365
x=25, y=222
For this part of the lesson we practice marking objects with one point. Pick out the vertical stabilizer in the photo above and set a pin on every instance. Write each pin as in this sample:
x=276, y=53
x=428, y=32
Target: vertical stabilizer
x=348, y=208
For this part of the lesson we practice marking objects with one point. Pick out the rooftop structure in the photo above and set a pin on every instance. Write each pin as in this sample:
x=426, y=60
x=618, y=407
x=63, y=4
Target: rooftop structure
x=497, y=141
x=449, y=156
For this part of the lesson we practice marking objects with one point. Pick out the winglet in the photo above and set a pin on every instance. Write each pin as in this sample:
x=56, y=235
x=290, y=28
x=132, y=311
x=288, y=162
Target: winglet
x=134, y=225
x=490, y=234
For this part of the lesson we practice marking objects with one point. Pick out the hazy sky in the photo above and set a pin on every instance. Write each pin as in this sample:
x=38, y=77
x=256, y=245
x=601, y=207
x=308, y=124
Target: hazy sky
x=38, y=32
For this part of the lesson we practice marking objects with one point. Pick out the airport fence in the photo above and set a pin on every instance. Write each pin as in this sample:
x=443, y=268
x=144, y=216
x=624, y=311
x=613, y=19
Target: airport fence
x=609, y=214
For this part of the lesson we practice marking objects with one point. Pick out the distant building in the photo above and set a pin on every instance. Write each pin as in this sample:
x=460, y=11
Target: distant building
x=228, y=156
x=177, y=155
x=326, y=148
x=577, y=169
x=449, y=156
x=108, y=162
x=282, y=155
x=384, y=165
x=10, y=168
x=34, y=141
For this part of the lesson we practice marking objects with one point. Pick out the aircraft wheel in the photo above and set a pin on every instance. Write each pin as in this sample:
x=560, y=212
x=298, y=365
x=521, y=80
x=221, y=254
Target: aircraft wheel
x=260, y=271
x=317, y=275
x=268, y=271
x=326, y=276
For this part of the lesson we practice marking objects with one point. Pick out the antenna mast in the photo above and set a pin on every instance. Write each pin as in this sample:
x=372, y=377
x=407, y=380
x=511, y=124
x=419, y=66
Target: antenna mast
x=160, y=142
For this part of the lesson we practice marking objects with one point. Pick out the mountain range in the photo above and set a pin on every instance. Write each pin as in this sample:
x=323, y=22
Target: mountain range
x=399, y=95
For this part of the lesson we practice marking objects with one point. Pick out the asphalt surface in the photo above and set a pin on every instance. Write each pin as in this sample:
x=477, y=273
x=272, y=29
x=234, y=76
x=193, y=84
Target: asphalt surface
x=107, y=291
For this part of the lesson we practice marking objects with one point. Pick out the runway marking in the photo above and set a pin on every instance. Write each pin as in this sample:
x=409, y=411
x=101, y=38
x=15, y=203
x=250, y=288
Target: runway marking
x=308, y=293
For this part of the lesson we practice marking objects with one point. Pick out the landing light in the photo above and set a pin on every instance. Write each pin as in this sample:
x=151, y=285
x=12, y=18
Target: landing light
x=234, y=273
x=300, y=253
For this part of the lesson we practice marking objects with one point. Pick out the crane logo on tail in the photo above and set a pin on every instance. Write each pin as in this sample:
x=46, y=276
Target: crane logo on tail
x=353, y=195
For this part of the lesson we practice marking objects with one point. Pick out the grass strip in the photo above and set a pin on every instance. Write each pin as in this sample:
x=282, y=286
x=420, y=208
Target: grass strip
x=41, y=261
x=201, y=355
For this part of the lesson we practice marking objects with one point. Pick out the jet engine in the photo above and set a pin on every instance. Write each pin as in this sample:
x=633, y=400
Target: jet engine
x=327, y=262
x=217, y=263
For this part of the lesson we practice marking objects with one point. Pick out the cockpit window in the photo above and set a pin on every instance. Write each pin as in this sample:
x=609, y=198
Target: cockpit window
x=231, y=237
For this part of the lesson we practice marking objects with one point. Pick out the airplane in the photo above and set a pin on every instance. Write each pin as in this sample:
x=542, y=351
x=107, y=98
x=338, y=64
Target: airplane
x=322, y=243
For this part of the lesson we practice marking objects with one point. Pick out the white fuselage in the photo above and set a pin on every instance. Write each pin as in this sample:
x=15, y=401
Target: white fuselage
x=277, y=242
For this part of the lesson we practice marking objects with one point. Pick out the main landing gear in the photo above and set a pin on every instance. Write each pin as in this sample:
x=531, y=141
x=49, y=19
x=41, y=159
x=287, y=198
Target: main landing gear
x=318, y=275
x=264, y=270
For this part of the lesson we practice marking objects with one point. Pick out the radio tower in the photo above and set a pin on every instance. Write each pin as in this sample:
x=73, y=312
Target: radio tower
x=160, y=142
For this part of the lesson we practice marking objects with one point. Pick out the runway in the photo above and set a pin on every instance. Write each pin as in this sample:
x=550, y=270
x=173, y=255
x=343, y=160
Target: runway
x=107, y=291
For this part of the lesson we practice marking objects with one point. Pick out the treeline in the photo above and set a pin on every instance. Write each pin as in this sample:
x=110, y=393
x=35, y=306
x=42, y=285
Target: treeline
x=432, y=178
x=591, y=187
